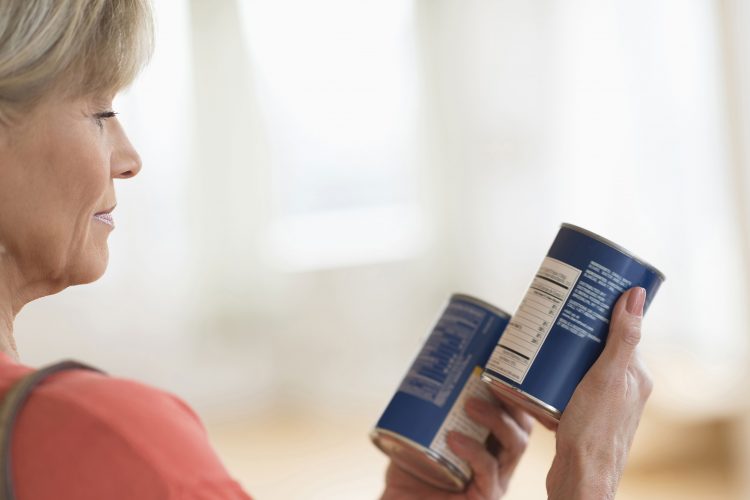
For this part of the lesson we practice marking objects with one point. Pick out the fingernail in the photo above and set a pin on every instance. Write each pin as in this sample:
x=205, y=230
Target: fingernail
x=636, y=299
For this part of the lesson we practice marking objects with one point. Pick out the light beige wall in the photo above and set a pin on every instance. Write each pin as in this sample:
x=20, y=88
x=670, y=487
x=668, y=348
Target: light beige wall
x=735, y=20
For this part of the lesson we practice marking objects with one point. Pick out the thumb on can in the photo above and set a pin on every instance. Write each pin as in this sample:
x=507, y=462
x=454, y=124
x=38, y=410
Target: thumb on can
x=624, y=331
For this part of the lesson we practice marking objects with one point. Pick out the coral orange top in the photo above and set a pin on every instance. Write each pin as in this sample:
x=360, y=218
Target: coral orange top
x=84, y=436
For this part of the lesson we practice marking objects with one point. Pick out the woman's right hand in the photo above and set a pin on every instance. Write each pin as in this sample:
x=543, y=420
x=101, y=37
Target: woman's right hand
x=597, y=427
x=492, y=470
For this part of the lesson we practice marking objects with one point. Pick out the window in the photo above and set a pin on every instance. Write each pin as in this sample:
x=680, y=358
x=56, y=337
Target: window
x=337, y=87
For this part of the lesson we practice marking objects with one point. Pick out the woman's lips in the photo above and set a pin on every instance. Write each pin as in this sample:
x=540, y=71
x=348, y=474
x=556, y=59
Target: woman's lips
x=105, y=218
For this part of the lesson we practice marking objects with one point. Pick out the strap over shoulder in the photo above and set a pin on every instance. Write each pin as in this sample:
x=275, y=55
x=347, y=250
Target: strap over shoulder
x=11, y=406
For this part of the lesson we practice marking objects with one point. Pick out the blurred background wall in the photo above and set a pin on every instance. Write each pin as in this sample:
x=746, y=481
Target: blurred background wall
x=320, y=176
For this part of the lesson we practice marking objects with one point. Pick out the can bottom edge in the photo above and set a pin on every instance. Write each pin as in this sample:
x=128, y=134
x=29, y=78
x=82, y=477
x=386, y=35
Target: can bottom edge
x=419, y=460
x=542, y=411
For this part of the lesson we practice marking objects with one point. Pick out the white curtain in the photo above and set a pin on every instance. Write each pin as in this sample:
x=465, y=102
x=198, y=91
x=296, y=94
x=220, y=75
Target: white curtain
x=319, y=177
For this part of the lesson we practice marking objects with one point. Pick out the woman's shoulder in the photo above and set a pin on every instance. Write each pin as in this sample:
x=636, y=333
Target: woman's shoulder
x=109, y=431
x=119, y=404
x=144, y=421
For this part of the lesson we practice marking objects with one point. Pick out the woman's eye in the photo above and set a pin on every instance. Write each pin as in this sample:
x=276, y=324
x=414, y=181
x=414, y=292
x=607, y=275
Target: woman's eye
x=100, y=117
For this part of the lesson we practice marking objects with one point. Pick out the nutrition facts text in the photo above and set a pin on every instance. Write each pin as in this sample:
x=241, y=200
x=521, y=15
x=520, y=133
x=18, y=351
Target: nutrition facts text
x=533, y=320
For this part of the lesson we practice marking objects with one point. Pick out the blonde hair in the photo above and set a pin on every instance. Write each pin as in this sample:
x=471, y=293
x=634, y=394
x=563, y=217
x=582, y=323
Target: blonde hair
x=75, y=47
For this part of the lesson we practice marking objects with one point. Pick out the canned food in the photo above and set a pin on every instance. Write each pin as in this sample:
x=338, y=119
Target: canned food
x=560, y=327
x=430, y=400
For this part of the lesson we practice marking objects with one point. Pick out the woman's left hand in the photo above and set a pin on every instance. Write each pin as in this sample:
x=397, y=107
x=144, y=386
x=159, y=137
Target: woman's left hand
x=511, y=427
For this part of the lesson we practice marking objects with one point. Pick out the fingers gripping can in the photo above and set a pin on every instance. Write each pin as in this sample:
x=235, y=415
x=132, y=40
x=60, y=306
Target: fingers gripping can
x=561, y=325
x=430, y=400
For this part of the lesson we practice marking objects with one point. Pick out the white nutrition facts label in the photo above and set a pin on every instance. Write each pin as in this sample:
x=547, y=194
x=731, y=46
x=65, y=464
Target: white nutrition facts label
x=456, y=420
x=533, y=320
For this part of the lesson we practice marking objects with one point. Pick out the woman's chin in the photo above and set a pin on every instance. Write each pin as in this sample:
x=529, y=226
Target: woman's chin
x=92, y=269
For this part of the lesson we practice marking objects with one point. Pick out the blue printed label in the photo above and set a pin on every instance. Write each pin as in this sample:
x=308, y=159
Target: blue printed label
x=587, y=313
x=462, y=340
x=561, y=326
x=442, y=362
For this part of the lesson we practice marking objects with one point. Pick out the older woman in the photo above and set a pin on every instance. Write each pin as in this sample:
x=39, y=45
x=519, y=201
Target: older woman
x=84, y=435
x=81, y=435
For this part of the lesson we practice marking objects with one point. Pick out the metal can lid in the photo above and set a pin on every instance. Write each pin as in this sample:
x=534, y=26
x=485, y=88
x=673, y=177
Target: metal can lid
x=420, y=461
x=480, y=303
x=613, y=245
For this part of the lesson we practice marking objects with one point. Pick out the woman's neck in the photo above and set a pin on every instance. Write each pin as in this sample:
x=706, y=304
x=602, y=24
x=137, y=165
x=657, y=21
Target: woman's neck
x=8, y=306
x=16, y=290
x=7, y=340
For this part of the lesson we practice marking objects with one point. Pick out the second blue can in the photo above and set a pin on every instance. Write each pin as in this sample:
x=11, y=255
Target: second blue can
x=560, y=327
x=429, y=403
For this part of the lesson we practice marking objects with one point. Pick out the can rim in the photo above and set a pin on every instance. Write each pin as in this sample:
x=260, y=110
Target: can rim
x=460, y=479
x=491, y=379
x=615, y=246
x=482, y=303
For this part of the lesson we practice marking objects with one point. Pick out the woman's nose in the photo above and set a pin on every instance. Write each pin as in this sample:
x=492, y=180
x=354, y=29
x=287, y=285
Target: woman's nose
x=125, y=160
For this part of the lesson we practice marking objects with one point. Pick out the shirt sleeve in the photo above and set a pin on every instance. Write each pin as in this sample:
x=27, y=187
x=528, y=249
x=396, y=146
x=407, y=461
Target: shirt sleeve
x=83, y=435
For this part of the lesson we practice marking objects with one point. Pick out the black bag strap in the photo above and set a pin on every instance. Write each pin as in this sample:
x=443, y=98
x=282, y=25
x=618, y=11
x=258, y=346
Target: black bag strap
x=9, y=410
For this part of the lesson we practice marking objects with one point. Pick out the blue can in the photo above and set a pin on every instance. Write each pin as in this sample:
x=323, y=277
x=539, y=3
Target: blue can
x=430, y=400
x=560, y=327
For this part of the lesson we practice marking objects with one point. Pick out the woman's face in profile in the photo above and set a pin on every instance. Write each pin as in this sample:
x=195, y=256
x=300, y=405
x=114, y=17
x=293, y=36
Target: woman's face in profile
x=57, y=166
